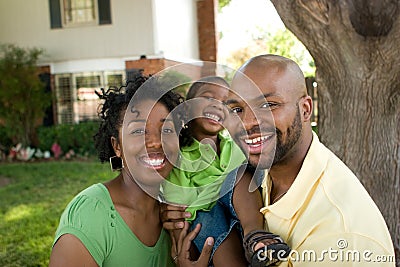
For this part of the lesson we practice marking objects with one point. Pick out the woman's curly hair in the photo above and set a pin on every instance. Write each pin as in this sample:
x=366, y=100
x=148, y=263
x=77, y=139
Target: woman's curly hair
x=116, y=100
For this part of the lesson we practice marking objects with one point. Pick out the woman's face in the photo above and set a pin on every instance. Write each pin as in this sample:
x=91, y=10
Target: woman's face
x=149, y=142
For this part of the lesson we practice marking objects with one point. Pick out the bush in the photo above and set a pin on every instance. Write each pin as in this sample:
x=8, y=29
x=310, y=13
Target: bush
x=23, y=98
x=78, y=137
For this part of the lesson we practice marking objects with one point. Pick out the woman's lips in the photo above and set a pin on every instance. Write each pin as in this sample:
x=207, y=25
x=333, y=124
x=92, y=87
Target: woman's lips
x=153, y=160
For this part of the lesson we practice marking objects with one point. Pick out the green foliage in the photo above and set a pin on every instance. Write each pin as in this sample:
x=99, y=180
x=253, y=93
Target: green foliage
x=22, y=96
x=32, y=203
x=282, y=42
x=222, y=4
x=176, y=80
x=78, y=137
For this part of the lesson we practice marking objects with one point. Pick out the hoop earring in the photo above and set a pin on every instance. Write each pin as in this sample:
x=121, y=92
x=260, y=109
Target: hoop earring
x=116, y=163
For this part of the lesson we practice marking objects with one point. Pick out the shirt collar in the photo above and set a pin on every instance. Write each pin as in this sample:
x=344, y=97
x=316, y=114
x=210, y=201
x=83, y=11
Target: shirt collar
x=222, y=135
x=313, y=166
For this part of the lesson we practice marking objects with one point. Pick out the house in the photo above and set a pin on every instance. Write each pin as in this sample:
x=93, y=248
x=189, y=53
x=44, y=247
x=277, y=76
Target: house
x=91, y=44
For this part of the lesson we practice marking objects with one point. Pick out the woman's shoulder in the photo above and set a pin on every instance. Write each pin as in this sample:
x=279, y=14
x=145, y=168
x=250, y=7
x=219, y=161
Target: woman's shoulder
x=91, y=200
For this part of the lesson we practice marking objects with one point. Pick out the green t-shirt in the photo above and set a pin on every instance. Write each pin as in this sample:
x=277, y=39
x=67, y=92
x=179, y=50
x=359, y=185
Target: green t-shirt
x=91, y=217
x=198, y=179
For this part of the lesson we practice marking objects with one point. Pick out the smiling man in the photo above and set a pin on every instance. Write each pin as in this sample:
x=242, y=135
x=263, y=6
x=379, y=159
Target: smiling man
x=312, y=199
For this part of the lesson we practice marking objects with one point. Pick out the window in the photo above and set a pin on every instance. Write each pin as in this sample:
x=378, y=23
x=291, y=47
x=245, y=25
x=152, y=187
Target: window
x=76, y=97
x=79, y=12
x=87, y=100
x=65, y=101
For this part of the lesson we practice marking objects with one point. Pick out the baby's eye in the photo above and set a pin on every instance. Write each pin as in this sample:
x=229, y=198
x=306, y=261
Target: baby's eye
x=168, y=130
x=209, y=98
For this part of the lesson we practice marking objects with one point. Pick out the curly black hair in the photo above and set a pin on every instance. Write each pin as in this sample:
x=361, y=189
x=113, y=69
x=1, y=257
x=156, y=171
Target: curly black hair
x=116, y=100
x=185, y=136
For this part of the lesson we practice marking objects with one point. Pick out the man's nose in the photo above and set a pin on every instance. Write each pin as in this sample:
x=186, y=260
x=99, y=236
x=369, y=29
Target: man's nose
x=249, y=119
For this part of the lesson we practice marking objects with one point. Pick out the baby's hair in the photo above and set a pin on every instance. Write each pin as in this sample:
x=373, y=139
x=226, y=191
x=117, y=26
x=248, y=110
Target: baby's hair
x=185, y=136
x=210, y=80
x=116, y=100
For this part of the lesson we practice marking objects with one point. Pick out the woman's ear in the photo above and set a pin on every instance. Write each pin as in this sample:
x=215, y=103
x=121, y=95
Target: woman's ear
x=307, y=108
x=116, y=146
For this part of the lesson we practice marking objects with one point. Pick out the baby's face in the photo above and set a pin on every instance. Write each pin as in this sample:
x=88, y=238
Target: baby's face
x=207, y=108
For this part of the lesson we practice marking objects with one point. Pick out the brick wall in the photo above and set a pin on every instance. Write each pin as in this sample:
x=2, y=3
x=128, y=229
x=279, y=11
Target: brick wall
x=206, y=13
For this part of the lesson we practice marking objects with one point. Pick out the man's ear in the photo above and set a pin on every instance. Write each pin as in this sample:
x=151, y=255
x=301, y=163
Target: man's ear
x=306, y=108
x=116, y=146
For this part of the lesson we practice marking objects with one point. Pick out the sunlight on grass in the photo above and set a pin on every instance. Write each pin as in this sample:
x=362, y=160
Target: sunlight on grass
x=32, y=203
x=18, y=212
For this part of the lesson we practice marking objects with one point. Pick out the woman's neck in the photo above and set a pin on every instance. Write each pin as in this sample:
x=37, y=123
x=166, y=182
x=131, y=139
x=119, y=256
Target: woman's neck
x=136, y=195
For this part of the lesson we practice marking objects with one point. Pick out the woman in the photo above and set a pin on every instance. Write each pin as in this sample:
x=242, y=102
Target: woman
x=118, y=223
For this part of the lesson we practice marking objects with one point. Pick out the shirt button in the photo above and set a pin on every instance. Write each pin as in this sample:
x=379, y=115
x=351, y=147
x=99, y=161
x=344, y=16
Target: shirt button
x=112, y=208
x=112, y=224
x=113, y=216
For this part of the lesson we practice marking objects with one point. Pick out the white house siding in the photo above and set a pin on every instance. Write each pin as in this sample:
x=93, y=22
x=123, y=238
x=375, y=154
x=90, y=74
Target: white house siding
x=139, y=27
x=176, y=29
x=155, y=28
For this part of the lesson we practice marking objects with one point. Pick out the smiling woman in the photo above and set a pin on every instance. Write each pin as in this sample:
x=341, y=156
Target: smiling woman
x=117, y=223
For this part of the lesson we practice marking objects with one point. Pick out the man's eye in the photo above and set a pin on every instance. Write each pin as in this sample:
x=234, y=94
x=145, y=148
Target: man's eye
x=269, y=105
x=235, y=110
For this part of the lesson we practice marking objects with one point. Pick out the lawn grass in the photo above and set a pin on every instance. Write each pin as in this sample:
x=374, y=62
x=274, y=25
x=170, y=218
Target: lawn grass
x=32, y=198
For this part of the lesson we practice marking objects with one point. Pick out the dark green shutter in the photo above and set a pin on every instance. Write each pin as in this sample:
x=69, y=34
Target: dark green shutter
x=104, y=11
x=55, y=14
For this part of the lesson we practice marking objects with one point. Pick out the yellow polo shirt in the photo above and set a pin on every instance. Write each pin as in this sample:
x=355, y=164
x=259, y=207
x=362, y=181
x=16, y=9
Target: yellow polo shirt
x=327, y=217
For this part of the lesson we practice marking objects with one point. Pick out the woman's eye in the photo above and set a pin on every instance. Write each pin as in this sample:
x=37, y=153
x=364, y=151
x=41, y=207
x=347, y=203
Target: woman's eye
x=138, y=131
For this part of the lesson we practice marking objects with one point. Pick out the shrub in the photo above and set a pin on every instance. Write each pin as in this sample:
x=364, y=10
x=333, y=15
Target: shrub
x=23, y=99
x=78, y=137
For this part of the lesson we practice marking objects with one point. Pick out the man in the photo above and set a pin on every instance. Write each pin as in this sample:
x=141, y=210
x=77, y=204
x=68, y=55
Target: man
x=312, y=199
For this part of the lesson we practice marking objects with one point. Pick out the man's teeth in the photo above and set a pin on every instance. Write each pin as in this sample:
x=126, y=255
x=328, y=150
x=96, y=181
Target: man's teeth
x=212, y=116
x=255, y=140
x=154, y=162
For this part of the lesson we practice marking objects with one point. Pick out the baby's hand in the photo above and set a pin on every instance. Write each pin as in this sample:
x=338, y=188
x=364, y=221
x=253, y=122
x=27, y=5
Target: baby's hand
x=173, y=217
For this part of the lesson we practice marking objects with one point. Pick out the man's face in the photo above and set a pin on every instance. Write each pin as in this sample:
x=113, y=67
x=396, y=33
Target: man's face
x=267, y=106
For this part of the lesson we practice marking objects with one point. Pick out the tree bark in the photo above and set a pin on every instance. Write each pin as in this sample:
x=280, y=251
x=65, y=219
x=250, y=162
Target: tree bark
x=356, y=48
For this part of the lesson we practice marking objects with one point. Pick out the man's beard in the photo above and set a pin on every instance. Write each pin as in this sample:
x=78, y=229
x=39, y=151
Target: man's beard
x=293, y=134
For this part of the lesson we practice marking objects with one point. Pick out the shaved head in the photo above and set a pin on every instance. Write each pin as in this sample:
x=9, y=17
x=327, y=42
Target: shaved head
x=279, y=65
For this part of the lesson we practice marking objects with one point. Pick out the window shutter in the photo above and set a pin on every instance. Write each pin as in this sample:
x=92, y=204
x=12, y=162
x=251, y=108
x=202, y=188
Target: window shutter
x=104, y=11
x=55, y=14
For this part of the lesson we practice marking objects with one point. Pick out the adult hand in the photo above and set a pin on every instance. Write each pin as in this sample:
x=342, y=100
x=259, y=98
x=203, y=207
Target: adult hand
x=180, y=251
x=173, y=217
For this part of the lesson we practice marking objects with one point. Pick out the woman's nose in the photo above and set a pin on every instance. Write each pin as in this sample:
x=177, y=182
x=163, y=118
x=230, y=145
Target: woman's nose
x=153, y=140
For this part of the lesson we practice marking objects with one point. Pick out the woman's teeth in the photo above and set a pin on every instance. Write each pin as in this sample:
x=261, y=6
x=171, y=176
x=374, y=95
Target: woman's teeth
x=154, y=162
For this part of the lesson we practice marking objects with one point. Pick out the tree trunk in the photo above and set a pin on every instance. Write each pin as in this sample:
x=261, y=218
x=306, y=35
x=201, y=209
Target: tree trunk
x=356, y=48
